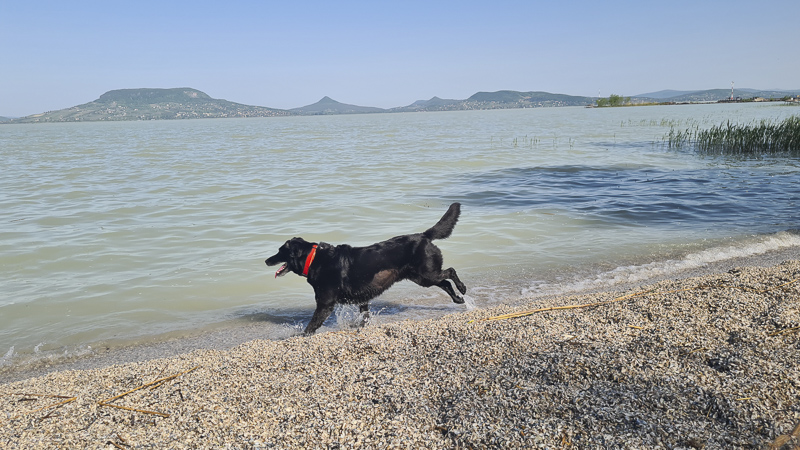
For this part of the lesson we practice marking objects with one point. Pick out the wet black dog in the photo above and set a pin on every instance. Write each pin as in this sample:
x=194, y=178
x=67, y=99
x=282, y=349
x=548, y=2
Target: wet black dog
x=356, y=275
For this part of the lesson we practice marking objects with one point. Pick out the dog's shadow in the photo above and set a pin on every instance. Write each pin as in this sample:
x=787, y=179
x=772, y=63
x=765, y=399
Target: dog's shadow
x=284, y=316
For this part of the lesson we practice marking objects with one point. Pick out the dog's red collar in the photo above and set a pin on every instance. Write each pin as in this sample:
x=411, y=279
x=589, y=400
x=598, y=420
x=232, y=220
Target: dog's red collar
x=309, y=259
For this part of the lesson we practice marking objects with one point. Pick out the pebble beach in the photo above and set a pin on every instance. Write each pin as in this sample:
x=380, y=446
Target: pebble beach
x=700, y=362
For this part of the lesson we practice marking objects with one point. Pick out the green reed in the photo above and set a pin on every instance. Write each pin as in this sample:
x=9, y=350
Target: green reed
x=736, y=139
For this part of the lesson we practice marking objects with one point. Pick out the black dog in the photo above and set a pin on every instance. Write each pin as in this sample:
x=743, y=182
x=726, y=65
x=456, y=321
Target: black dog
x=356, y=275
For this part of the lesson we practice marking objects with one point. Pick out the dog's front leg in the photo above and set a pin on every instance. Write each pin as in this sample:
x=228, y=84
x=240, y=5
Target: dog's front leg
x=325, y=304
x=319, y=317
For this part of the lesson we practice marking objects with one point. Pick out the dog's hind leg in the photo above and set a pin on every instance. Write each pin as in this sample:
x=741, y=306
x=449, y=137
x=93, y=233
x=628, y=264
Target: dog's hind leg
x=447, y=287
x=451, y=274
x=441, y=281
x=429, y=272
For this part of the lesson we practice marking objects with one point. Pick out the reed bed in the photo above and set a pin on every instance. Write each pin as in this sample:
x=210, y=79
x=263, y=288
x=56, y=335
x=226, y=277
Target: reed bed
x=764, y=137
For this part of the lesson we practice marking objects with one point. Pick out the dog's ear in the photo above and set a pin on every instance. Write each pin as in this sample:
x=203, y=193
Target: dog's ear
x=296, y=248
x=298, y=251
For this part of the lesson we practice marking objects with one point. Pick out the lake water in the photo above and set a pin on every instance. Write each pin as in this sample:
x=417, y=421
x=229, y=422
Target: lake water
x=118, y=233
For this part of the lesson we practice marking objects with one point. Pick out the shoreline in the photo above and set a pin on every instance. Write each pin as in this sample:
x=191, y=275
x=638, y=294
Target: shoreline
x=225, y=338
x=706, y=360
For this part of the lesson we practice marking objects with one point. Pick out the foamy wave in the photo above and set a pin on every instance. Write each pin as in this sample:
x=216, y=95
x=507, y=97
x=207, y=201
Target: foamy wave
x=31, y=359
x=637, y=273
x=7, y=358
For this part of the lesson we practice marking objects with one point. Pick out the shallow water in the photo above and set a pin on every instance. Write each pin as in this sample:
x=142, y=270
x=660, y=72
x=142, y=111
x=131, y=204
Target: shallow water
x=116, y=233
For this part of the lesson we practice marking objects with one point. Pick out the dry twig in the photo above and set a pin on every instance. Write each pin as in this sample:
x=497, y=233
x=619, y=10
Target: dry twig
x=157, y=382
x=784, y=439
x=154, y=384
x=784, y=331
x=54, y=405
x=126, y=408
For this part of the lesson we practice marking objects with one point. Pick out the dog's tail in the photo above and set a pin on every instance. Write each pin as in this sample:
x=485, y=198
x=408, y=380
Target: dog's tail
x=445, y=226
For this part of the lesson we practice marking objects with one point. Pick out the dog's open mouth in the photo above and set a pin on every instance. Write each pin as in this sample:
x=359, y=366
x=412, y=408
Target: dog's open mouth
x=282, y=271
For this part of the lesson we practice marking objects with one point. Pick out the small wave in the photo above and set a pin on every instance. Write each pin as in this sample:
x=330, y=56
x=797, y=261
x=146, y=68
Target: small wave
x=660, y=269
x=7, y=358
x=39, y=359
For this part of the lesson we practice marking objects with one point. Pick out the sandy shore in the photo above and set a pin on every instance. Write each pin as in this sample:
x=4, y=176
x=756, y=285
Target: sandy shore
x=704, y=362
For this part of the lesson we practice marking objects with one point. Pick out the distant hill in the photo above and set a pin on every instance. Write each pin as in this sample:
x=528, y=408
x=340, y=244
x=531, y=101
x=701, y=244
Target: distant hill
x=4, y=119
x=434, y=104
x=498, y=100
x=330, y=106
x=152, y=104
x=514, y=99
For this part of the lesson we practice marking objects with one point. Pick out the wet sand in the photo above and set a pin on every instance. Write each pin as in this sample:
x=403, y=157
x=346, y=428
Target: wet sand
x=707, y=361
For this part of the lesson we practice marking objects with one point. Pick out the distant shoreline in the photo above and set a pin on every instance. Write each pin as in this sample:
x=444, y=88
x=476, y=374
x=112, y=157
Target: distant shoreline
x=790, y=101
x=188, y=103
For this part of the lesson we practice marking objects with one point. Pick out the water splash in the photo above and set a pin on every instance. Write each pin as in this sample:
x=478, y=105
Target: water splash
x=288, y=330
x=349, y=317
x=469, y=302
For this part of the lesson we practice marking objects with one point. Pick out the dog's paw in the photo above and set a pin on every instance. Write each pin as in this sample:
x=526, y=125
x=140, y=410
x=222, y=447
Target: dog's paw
x=461, y=288
x=458, y=300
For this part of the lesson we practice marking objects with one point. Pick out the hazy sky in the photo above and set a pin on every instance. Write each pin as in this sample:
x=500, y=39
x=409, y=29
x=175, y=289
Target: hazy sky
x=286, y=54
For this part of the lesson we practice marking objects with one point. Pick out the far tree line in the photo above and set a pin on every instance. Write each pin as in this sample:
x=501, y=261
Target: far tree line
x=613, y=100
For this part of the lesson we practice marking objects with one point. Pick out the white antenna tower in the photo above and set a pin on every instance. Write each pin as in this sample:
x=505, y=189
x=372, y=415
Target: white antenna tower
x=731, y=90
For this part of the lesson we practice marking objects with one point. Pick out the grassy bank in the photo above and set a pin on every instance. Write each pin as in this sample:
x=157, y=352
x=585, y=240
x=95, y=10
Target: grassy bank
x=764, y=137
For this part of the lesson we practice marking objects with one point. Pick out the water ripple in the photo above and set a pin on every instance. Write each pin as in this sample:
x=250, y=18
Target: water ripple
x=641, y=196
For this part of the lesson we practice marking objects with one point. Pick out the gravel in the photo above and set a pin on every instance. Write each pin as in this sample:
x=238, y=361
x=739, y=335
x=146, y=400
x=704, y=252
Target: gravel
x=704, y=362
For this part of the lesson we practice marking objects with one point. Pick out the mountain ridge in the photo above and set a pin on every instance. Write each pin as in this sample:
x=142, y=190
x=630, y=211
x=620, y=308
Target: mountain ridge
x=190, y=103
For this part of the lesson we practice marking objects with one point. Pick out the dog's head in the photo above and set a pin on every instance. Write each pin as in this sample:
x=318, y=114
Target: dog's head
x=293, y=254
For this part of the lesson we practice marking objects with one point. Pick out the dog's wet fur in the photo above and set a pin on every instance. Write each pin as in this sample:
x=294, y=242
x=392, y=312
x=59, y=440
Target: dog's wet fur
x=355, y=275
